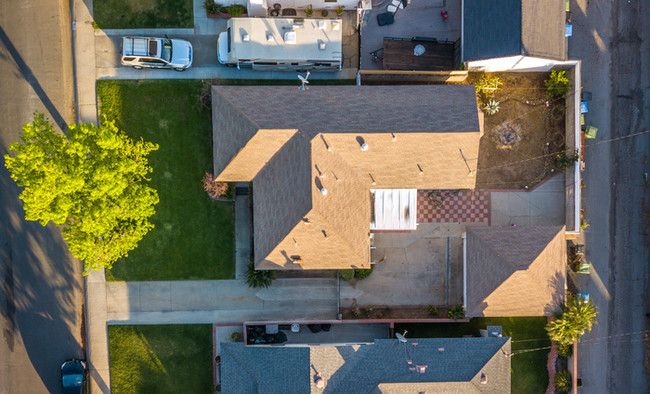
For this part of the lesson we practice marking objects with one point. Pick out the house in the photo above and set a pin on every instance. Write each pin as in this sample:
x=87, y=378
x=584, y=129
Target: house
x=318, y=159
x=514, y=271
x=507, y=35
x=432, y=365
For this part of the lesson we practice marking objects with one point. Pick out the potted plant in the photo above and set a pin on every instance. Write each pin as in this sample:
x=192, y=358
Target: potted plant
x=339, y=10
x=310, y=10
x=324, y=13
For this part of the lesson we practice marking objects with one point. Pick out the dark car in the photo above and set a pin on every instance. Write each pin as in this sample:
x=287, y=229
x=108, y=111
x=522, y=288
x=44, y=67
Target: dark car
x=73, y=376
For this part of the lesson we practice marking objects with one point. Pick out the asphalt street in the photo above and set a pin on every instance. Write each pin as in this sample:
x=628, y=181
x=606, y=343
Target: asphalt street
x=41, y=290
x=613, y=41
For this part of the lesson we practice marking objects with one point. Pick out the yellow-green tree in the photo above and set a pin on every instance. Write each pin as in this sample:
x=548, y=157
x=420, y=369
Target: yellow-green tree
x=92, y=183
x=578, y=316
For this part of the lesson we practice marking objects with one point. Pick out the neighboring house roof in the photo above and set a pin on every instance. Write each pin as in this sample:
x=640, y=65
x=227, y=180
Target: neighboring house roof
x=382, y=367
x=292, y=144
x=502, y=28
x=515, y=271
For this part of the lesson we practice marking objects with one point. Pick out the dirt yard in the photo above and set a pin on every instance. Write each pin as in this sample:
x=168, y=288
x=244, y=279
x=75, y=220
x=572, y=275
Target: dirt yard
x=520, y=140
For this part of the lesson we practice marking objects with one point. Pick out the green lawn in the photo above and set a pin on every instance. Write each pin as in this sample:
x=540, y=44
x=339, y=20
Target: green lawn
x=529, y=374
x=193, y=236
x=139, y=14
x=161, y=358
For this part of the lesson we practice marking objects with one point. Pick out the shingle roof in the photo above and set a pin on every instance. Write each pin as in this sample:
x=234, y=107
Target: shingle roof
x=515, y=271
x=502, y=28
x=380, y=367
x=426, y=139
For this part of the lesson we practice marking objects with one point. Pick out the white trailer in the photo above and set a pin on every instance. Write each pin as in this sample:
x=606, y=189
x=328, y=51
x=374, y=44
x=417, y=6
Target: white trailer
x=282, y=44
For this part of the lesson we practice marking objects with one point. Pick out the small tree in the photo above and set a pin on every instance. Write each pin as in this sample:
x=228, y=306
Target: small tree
x=92, y=183
x=557, y=84
x=562, y=160
x=258, y=278
x=577, y=317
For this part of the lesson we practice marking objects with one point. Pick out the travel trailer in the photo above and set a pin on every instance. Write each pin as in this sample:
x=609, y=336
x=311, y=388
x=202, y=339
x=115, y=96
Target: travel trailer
x=282, y=44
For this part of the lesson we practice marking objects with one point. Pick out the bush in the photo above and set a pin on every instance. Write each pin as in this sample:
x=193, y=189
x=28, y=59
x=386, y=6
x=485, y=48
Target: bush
x=216, y=189
x=565, y=350
x=562, y=381
x=433, y=310
x=487, y=86
x=456, y=312
x=346, y=275
x=236, y=9
x=309, y=11
x=236, y=336
x=339, y=10
x=557, y=85
x=258, y=278
x=213, y=8
x=363, y=273
x=562, y=160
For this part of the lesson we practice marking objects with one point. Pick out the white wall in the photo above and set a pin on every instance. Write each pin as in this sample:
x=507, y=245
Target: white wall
x=513, y=63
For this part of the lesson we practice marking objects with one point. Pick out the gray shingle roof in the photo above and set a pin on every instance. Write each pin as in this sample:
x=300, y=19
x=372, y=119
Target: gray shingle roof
x=499, y=28
x=380, y=367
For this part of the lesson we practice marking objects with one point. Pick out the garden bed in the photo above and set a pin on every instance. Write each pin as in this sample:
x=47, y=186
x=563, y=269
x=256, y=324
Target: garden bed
x=393, y=312
x=517, y=150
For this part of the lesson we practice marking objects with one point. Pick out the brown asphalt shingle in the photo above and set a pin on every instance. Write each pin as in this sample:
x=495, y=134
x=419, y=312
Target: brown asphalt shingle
x=515, y=271
x=291, y=144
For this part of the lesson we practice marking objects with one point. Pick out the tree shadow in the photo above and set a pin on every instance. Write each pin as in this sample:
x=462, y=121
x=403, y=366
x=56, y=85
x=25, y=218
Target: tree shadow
x=41, y=289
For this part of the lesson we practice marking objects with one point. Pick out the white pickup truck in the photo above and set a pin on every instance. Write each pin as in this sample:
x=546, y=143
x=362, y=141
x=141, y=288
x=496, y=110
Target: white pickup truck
x=151, y=52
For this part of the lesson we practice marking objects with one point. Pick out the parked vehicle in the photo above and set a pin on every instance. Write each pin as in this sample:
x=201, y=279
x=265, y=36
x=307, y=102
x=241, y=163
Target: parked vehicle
x=73, y=376
x=151, y=52
x=282, y=44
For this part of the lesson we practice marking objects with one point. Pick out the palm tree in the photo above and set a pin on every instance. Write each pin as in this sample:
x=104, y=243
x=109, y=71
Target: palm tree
x=578, y=316
x=258, y=278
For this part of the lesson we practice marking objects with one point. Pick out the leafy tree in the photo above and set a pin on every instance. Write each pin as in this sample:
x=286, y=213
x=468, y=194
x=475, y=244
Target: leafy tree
x=562, y=381
x=578, y=316
x=258, y=278
x=557, y=84
x=92, y=183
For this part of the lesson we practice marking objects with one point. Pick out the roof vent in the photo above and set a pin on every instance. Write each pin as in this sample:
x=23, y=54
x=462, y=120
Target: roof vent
x=269, y=37
x=441, y=349
x=483, y=378
x=323, y=191
x=319, y=381
x=245, y=37
x=306, y=221
x=321, y=45
x=290, y=37
x=421, y=368
x=296, y=259
x=364, y=147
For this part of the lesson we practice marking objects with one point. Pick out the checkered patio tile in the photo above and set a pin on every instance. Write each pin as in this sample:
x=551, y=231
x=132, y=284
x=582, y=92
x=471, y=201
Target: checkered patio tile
x=453, y=206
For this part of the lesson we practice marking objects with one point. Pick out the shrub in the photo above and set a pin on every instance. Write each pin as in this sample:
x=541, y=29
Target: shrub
x=363, y=273
x=557, y=84
x=324, y=13
x=491, y=107
x=369, y=312
x=236, y=336
x=355, y=312
x=565, y=350
x=258, y=278
x=433, y=310
x=346, y=275
x=236, y=9
x=339, y=10
x=562, y=160
x=213, y=8
x=487, y=85
x=309, y=11
x=214, y=188
x=562, y=381
x=456, y=312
